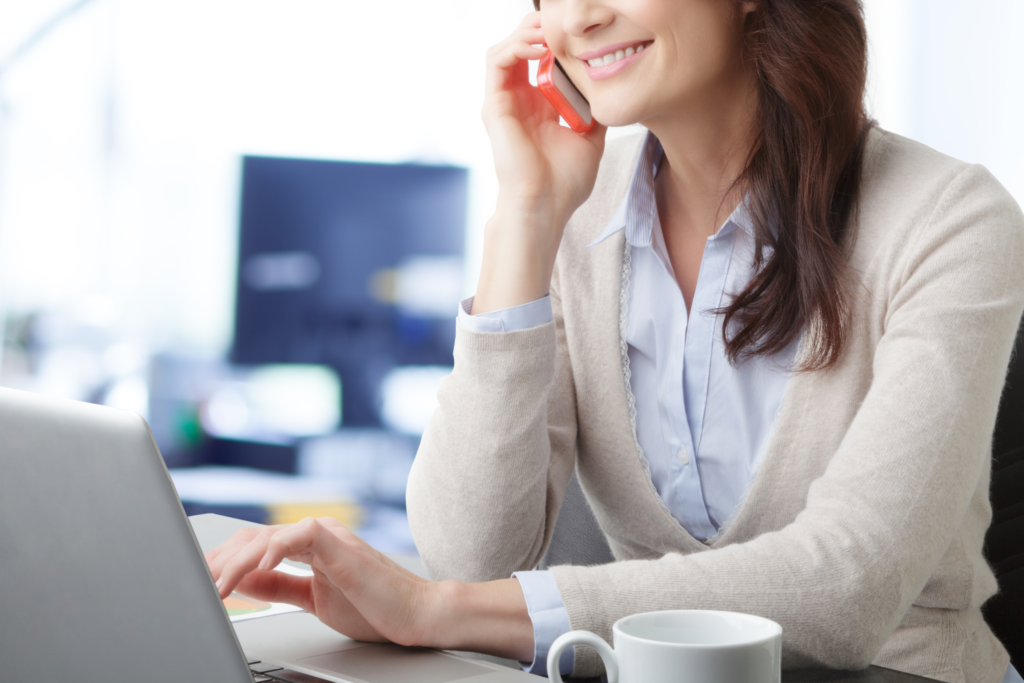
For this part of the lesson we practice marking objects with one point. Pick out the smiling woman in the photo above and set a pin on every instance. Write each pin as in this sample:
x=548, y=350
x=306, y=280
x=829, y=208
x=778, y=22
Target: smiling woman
x=784, y=85
x=768, y=337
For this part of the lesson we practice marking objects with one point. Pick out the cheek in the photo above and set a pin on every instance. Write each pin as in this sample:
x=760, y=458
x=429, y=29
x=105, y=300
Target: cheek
x=703, y=37
x=701, y=58
x=551, y=25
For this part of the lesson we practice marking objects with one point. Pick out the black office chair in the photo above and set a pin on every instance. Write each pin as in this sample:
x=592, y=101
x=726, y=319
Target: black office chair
x=1004, y=543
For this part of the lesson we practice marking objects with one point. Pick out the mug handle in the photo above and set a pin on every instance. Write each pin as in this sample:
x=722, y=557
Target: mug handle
x=611, y=662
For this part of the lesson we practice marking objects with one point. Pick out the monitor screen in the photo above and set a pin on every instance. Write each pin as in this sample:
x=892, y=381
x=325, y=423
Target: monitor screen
x=352, y=265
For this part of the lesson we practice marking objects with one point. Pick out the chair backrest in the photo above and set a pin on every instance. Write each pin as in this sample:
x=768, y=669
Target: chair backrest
x=577, y=538
x=1004, y=543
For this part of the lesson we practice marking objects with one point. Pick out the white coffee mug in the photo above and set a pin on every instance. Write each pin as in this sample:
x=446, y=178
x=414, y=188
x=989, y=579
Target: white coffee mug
x=684, y=646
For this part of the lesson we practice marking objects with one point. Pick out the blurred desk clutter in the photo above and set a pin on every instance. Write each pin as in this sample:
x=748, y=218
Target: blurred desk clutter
x=357, y=476
x=348, y=279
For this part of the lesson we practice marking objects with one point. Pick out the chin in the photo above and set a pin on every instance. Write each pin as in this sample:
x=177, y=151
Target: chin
x=615, y=115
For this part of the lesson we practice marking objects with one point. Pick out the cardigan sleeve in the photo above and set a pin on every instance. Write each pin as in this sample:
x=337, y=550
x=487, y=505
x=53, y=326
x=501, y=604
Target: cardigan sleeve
x=512, y=319
x=497, y=455
x=842, y=575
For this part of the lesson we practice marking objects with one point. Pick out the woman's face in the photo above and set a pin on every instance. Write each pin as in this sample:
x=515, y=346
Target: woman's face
x=640, y=60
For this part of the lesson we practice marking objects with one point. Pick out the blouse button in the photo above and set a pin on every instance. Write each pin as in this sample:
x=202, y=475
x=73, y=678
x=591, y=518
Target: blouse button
x=683, y=456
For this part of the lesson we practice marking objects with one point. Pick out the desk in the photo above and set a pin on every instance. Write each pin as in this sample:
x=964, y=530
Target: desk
x=265, y=636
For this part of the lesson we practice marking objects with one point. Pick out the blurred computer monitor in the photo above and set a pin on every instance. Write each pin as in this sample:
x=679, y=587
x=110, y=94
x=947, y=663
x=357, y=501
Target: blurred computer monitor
x=353, y=265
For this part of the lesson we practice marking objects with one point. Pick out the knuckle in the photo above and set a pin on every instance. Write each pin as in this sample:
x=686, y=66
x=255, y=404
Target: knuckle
x=228, y=571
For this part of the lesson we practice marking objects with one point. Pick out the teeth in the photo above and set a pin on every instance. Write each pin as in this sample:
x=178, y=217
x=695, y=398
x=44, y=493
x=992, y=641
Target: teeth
x=613, y=57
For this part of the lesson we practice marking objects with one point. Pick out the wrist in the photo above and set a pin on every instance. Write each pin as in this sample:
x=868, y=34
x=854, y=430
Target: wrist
x=519, y=256
x=491, y=618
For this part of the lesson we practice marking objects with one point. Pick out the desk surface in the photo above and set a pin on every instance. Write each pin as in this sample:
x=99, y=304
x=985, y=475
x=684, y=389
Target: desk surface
x=212, y=530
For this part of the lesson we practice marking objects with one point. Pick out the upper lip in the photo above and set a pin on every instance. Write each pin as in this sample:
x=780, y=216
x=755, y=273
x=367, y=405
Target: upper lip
x=602, y=51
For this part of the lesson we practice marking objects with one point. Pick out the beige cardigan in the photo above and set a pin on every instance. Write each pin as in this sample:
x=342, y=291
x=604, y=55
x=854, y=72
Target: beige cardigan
x=862, y=532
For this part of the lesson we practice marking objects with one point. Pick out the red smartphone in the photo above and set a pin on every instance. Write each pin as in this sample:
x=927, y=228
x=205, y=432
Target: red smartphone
x=570, y=104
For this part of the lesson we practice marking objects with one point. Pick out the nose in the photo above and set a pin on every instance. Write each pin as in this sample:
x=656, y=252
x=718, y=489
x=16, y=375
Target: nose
x=585, y=16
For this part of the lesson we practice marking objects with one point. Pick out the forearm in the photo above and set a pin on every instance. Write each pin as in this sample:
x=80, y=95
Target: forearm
x=479, y=494
x=520, y=243
x=490, y=617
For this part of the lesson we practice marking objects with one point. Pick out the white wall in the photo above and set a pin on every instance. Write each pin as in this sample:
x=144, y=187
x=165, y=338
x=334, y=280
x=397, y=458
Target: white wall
x=119, y=149
x=950, y=74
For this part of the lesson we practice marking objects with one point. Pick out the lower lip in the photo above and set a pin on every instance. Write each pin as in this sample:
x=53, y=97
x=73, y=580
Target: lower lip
x=599, y=73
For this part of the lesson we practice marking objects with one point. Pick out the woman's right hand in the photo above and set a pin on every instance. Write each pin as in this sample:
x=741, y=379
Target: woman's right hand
x=545, y=172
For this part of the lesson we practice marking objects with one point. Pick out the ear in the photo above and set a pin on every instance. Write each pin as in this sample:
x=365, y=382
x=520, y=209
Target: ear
x=747, y=14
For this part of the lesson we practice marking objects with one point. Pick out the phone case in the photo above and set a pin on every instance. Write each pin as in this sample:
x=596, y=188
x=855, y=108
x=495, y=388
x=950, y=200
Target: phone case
x=570, y=104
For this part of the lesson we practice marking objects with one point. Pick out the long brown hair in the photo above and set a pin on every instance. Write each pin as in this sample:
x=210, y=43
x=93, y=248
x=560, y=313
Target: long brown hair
x=803, y=177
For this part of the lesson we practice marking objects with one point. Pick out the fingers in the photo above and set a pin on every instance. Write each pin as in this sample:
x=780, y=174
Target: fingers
x=274, y=586
x=507, y=61
x=324, y=539
x=264, y=550
x=501, y=55
x=246, y=562
x=597, y=133
x=215, y=558
x=219, y=556
x=344, y=558
x=355, y=589
x=239, y=560
x=531, y=20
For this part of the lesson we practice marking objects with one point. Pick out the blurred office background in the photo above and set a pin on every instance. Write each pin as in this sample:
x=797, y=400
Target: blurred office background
x=250, y=220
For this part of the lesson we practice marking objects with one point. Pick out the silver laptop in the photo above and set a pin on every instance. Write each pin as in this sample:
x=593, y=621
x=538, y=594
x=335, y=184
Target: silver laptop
x=102, y=579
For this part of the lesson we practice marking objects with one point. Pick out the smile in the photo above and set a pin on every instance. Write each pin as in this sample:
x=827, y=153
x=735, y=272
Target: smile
x=615, y=55
x=610, y=60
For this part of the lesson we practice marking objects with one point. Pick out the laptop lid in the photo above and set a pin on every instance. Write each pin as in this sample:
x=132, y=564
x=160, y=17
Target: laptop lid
x=101, y=578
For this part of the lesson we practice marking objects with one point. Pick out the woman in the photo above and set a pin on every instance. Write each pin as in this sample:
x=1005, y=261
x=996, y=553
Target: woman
x=769, y=338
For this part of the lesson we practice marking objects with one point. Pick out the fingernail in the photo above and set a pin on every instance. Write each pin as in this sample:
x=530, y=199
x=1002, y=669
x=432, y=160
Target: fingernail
x=265, y=563
x=220, y=584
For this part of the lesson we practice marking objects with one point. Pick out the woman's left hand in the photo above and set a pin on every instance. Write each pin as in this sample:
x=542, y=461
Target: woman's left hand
x=354, y=589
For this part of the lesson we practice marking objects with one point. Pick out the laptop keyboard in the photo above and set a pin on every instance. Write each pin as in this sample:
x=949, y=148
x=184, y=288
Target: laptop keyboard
x=271, y=673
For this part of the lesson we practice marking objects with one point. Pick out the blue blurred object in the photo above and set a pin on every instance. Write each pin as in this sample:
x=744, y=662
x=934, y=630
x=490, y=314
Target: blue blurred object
x=372, y=464
x=352, y=265
x=239, y=453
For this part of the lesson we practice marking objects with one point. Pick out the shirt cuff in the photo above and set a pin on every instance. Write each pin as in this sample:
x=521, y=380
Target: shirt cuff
x=533, y=314
x=550, y=620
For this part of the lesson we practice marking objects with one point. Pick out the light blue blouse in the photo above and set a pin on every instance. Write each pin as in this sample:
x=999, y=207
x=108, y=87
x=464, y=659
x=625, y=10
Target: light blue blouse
x=702, y=423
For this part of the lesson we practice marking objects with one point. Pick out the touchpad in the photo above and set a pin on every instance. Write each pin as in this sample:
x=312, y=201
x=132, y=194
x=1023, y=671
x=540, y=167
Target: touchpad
x=387, y=663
